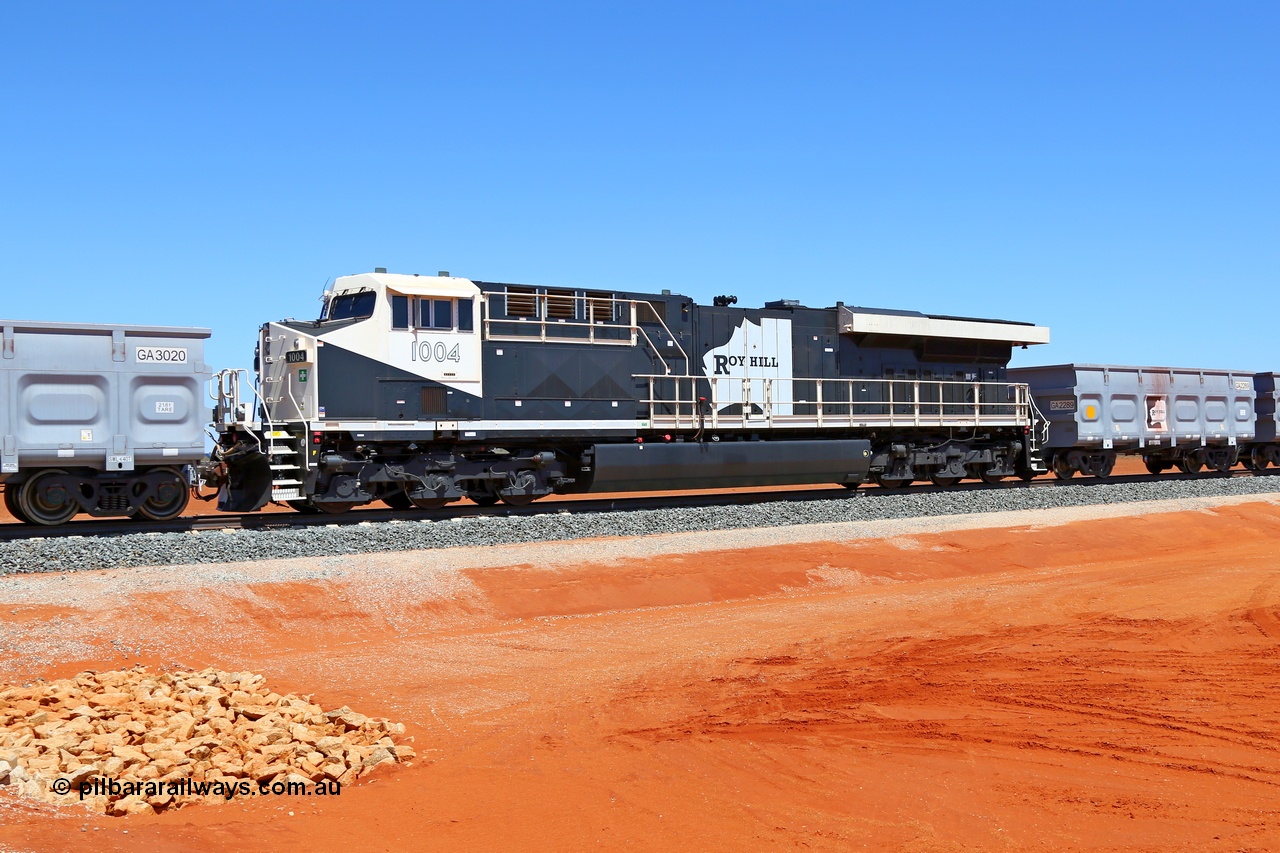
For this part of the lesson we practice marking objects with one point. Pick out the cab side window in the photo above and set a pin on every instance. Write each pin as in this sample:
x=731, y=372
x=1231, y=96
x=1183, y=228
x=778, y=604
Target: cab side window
x=442, y=313
x=399, y=311
x=425, y=312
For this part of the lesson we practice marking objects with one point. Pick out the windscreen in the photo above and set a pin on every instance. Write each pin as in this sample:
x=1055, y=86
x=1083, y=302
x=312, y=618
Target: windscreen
x=350, y=306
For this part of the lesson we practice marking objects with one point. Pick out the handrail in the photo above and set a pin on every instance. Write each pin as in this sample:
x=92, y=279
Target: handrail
x=542, y=323
x=228, y=399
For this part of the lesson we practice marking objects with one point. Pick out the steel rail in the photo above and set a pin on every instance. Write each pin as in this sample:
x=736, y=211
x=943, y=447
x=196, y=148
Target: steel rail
x=114, y=527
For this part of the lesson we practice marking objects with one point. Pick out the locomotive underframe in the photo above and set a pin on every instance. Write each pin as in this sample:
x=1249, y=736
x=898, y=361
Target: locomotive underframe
x=345, y=470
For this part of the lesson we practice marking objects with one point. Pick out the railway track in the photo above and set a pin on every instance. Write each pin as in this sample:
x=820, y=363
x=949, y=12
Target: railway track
x=89, y=527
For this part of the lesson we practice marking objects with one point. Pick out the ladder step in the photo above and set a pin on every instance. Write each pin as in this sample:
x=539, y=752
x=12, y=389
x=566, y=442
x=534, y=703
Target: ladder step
x=286, y=494
x=276, y=433
x=278, y=483
x=281, y=451
x=285, y=468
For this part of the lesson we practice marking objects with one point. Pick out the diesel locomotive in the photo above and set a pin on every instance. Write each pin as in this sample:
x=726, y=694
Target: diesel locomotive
x=421, y=390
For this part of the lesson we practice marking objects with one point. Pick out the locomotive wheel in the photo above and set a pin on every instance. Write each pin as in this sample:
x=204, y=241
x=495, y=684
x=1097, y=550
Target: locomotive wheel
x=520, y=491
x=1191, y=463
x=47, y=505
x=333, y=507
x=302, y=506
x=1061, y=469
x=398, y=499
x=890, y=482
x=11, y=493
x=170, y=499
x=989, y=478
x=427, y=503
x=944, y=482
x=1154, y=465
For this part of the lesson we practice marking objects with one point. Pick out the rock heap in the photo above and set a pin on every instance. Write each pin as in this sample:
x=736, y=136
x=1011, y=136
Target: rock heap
x=131, y=741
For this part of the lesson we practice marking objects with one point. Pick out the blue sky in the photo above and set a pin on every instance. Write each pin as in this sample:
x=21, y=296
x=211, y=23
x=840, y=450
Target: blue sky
x=1107, y=169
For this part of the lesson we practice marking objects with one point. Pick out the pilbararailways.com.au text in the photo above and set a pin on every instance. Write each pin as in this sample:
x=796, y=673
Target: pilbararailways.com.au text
x=100, y=787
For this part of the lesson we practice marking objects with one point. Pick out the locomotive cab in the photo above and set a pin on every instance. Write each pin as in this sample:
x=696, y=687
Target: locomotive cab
x=395, y=347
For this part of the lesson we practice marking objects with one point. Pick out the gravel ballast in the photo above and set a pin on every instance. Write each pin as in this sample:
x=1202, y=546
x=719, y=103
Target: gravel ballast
x=67, y=553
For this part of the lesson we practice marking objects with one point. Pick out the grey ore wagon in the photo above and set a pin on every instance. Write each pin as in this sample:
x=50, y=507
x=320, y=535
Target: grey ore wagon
x=1190, y=418
x=101, y=419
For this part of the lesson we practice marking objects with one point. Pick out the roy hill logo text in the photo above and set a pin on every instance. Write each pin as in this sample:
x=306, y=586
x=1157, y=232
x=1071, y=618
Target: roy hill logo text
x=724, y=362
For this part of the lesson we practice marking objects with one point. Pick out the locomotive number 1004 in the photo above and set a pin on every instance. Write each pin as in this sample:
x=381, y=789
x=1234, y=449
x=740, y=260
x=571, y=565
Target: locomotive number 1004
x=438, y=351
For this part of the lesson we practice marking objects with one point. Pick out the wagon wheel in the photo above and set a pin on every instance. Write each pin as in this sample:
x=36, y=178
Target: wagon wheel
x=1221, y=464
x=1154, y=465
x=1258, y=456
x=1105, y=468
x=46, y=504
x=1191, y=463
x=13, y=502
x=1062, y=469
x=170, y=499
x=11, y=492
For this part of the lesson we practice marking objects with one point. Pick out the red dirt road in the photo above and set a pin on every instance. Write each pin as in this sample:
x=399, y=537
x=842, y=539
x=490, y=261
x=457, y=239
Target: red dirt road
x=1099, y=685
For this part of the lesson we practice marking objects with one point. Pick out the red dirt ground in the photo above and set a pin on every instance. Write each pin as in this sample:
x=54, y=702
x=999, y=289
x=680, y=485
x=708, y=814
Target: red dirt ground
x=1103, y=685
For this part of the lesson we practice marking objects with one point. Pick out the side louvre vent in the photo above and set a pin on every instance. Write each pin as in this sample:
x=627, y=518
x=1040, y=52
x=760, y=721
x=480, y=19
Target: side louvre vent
x=433, y=400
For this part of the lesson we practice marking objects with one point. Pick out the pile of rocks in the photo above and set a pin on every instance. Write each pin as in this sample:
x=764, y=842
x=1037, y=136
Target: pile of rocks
x=131, y=741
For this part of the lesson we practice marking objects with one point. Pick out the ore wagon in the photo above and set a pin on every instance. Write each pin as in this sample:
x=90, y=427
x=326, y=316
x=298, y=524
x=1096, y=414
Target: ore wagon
x=100, y=419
